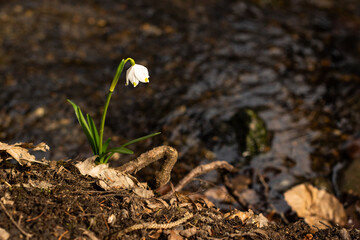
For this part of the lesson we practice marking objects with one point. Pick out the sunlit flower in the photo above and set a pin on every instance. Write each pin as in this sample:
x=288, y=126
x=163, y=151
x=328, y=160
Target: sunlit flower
x=137, y=73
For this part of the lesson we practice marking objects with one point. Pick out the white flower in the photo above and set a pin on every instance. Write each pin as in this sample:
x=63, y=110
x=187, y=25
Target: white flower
x=137, y=73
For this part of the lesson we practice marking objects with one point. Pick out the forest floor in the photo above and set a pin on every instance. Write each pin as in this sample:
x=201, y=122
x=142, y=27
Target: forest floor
x=55, y=201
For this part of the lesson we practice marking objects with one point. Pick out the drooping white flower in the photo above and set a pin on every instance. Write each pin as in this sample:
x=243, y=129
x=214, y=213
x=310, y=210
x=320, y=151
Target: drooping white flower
x=137, y=73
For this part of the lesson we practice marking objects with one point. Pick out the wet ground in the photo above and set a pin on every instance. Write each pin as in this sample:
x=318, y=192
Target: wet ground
x=294, y=64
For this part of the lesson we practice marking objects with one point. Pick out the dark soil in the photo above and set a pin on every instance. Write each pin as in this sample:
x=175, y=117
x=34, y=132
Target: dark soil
x=73, y=207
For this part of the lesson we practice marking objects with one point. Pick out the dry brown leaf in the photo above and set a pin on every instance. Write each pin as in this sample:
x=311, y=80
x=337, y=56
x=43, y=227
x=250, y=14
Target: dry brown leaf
x=315, y=206
x=4, y=235
x=6, y=199
x=156, y=204
x=200, y=199
x=188, y=232
x=40, y=147
x=219, y=194
x=40, y=184
x=249, y=217
x=111, y=219
x=241, y=215
x=173, y=235
x=20, y=151
x=146, y=210
x=259, y=220
x=110, y=178
x=88, y=233
x=156, y=234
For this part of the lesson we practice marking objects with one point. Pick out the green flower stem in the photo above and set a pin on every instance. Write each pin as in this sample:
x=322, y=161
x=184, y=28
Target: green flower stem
x=111, y=90
x=118, y=72
x=103, y=121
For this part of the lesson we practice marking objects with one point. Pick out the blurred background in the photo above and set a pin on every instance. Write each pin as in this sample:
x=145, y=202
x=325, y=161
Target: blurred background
x=270, y=86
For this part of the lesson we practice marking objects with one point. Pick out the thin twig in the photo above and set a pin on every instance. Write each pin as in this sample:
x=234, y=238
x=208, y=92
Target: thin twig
x=8, y=184
x=152, y=225
x=200, y=170
x=33, y=219
x=106, y=224
x=63, y=234
x=266, y=193
x=28, y=235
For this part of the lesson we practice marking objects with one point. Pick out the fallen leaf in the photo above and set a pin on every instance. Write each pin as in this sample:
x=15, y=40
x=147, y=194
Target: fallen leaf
x=111, y=219
x=188, y=232
x=315, y=206
x=40, y=184
x=156, y=234
x=219, y=194
x=112, y=179
x=4, y=235
x=6, y=199
x=243, y=216
x=88, y=233
x=199, y=198
x=156, y=204
x=20, y=151
x=173, y=235
x=249, y=217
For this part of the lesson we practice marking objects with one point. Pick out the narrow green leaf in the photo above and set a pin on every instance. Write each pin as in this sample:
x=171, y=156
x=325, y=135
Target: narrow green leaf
x=94, y=132
x=79, y=115
x=75, y=109
x=123, y=150
x=108, y=157
x=104, y=158
x=106, y=144
x=87, y=132
x=140, y=139
x=84, y=125
x=82, y=120
x=100, y=159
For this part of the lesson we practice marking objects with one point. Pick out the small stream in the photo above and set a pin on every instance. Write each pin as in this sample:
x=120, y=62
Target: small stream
x=272, y=88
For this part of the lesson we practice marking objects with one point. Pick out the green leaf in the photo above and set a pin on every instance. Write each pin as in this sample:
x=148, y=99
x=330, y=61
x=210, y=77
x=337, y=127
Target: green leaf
x=104, y=158
x=106, y=144
x=75, y=108
x=87, y=132
x=84, y=126
x=122, y=150
x=94, y=132
x=108, y=157
x=140, y=139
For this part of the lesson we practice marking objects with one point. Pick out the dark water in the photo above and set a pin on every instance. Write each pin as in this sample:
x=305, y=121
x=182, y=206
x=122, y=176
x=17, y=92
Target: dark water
x=293, y=63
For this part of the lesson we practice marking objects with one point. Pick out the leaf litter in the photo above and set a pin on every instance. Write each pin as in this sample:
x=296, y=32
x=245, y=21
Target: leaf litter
x=66, y=204
x=20, y=151
x=317, y=207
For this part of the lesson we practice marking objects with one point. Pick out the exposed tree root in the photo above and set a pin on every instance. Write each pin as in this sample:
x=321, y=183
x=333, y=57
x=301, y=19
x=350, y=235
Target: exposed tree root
x=163, y=176
x=200, y=170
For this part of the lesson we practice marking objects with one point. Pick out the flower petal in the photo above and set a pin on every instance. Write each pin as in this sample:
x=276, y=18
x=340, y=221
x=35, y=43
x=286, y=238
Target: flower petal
x=137, y=73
